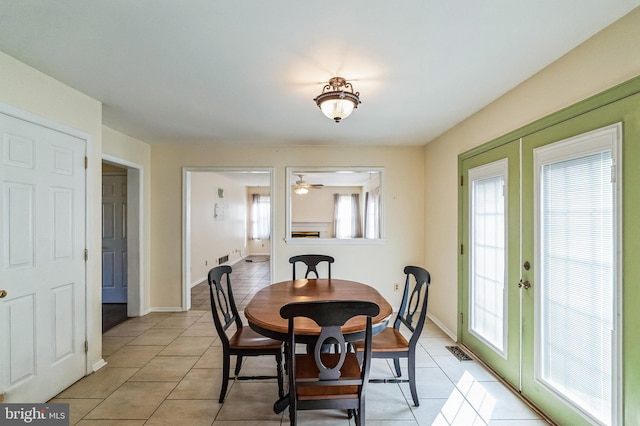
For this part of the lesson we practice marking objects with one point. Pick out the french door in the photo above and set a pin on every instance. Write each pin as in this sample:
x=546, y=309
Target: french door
x=491, y=223
x=570, y=358
x=540, y=287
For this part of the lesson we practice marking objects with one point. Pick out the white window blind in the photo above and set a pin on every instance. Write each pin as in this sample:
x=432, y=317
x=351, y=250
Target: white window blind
x=577, y=280
x=487, y=255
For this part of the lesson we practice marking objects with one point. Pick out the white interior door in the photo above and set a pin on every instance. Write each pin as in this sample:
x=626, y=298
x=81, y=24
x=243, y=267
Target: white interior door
x=42, y=211
x=114, y=239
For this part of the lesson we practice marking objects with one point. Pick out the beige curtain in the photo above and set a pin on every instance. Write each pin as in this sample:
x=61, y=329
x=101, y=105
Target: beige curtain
x=372, y=214
x=260, y=217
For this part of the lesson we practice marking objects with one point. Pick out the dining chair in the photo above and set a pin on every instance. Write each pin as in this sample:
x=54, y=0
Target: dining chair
x=311, y=261
x=320, y=380
x=391, y=342
x=244, y=341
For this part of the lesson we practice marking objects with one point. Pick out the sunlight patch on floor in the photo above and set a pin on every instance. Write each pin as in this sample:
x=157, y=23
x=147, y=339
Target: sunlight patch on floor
x=474, y=407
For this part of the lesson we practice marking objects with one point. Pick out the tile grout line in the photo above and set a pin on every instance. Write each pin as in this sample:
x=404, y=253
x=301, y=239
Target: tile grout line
x=248, y=283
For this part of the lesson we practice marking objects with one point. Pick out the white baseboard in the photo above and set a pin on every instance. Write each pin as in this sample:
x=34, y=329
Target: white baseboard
x=98, y=365
x=198, y=281
x=165, y=309
x=448, y=332
x=231, y=263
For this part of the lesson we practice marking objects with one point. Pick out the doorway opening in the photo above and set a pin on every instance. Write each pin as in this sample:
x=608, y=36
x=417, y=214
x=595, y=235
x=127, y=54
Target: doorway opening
x=121, y=241
x=114, y=245
x=220, y=202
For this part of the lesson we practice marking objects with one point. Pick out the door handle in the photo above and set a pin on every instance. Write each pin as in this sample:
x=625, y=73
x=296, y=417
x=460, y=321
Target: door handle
x=524, y=284
x=3, y=294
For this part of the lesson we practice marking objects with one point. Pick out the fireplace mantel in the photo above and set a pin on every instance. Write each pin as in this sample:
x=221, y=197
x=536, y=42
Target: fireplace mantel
x=324, y=228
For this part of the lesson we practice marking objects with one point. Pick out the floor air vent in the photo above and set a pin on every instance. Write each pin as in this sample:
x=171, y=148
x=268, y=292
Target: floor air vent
x=459, y=353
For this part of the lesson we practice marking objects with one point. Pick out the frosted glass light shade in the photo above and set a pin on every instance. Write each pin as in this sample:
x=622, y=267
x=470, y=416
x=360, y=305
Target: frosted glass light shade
x=337, y=109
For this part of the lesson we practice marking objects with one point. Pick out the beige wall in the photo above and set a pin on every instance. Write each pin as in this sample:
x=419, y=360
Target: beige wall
x=379, y=264
x=317, y=204
x=420, y=229
x=133, y=153
x=609, y=58
x=214, y=237
x=29, y=90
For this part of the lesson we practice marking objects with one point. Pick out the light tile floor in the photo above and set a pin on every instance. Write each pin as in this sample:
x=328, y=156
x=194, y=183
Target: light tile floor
x=165, y=369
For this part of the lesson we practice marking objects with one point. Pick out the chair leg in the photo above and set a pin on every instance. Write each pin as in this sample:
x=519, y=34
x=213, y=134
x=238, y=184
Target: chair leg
x=396, y=363
x=286, y=357
x=280, y=374
x=412, y=380
x=226, y=365
x=293, y=416
x=238, y=365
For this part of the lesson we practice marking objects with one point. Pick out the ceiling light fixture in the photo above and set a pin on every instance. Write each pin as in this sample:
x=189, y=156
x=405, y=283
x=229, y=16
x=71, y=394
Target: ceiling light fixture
x=301, y=190
x=337, y=99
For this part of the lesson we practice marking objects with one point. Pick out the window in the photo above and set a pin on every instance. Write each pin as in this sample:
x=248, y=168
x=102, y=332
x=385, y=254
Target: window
x=312, y=207
x=260, y=217
x=346, y=220
x=578, y=279
x=488, y=253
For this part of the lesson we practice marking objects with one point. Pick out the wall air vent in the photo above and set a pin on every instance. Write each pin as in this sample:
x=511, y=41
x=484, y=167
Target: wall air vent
x=223, y=259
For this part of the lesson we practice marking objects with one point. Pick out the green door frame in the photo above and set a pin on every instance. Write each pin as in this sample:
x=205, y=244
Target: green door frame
x=508, y=363
x=630, y=155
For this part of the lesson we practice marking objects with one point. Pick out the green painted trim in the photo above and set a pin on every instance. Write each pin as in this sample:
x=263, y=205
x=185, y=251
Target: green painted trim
x=462, y=258
x=507, y=364
x=622, y=104
x=614, y=94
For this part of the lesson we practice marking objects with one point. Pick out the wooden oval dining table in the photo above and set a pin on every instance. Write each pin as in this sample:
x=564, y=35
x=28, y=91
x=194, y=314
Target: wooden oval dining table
x=263, y=310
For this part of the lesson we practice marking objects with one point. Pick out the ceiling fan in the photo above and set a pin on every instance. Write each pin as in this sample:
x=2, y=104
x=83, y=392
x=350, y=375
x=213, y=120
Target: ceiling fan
x=302, y=187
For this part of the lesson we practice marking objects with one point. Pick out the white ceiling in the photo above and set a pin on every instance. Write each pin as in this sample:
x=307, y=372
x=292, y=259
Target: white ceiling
x=246, y=71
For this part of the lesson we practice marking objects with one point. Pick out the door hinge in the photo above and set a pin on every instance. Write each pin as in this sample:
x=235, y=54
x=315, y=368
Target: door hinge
x=86, y=346
x=461, y=249
x=613, y=173
x=86, y=255
x=2, y=396
x=461, y=318
x=86, y=162
x=461, y=180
